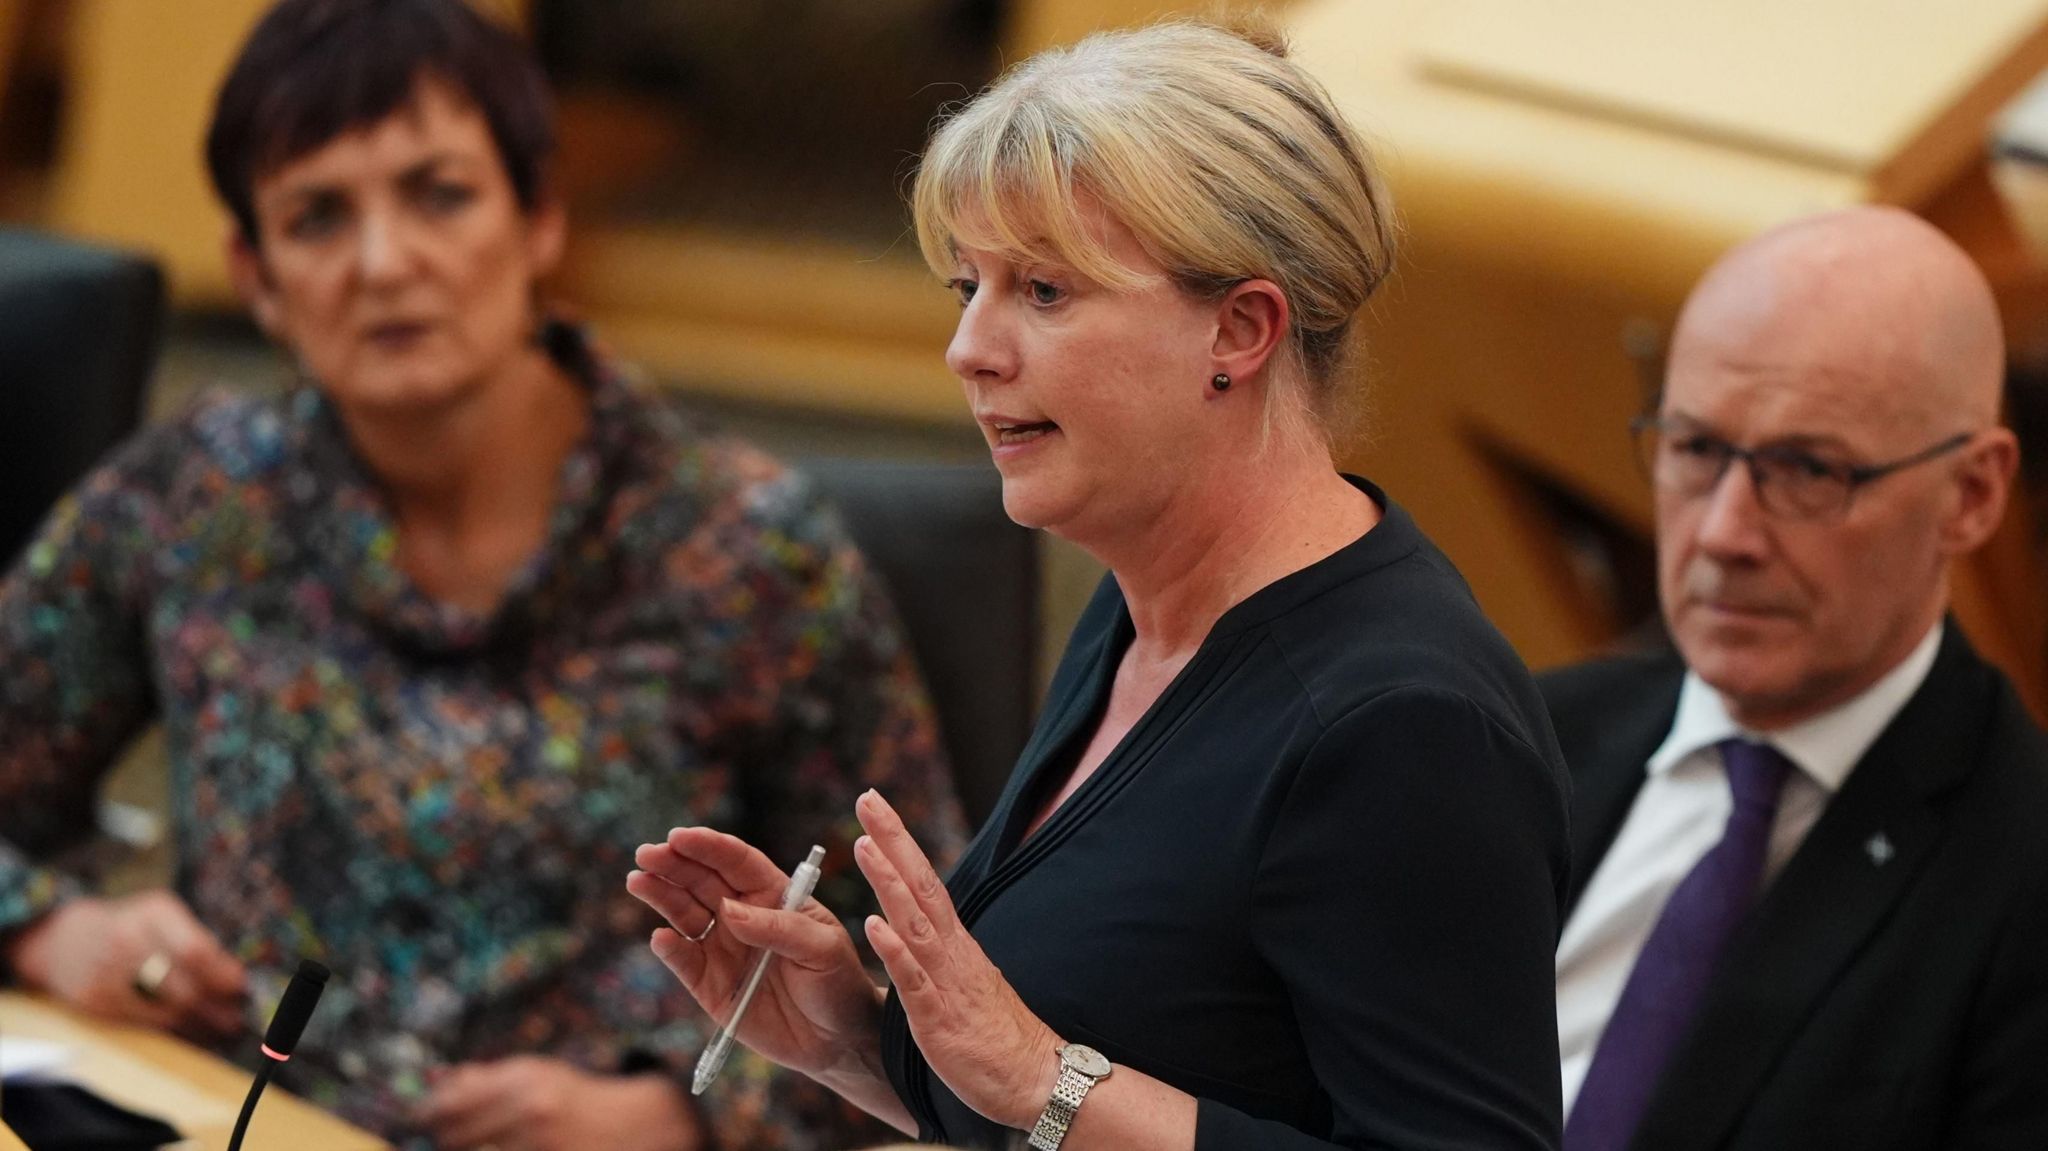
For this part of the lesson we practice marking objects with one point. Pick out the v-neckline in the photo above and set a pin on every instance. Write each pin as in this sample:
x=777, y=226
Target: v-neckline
x=1014, y=850
x=1080, y=721
x=1076, y=728
x=1073, y=740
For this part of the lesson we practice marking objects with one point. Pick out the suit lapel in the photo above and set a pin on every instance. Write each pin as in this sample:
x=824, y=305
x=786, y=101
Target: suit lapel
x=1608, y=759
x=1824, y=907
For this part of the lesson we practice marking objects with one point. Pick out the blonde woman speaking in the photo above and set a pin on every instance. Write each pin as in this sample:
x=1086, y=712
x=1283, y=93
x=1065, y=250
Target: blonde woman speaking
x=1280, y=867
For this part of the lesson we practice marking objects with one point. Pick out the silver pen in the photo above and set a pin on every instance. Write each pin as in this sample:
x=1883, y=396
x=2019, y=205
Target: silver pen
x=712, y=1061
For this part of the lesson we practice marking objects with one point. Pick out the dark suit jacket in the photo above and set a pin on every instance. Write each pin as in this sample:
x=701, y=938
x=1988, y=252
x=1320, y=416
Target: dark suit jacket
x=1864, y=1004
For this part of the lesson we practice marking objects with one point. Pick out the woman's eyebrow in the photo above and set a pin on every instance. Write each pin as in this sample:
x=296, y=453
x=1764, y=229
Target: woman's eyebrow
x=306, y=192
x=429, y=164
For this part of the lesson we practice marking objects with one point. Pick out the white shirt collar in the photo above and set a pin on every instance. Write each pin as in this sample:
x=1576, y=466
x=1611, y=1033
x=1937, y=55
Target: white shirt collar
x=1825, y=747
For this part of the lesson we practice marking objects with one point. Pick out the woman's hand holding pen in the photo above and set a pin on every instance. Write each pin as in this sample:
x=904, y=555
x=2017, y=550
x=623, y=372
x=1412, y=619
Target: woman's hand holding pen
x=974, y=1031
x=818, y=1011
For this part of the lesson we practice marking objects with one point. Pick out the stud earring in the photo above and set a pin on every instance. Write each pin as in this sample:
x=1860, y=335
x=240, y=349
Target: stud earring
x=1220, y=382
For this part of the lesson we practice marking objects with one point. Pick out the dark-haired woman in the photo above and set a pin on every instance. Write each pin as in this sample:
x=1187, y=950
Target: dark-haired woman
x=436, y=637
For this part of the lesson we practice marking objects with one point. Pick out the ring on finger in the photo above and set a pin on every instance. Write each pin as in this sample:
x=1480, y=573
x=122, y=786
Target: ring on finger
x=705, y=934
x=150, y=976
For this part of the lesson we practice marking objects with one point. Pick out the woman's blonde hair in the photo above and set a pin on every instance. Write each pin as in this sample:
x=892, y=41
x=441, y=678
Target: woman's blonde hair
x=1225, y=159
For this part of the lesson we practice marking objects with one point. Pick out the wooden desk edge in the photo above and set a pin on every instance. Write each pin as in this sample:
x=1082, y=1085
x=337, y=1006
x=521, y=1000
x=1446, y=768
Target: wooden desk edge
x=204, y=1073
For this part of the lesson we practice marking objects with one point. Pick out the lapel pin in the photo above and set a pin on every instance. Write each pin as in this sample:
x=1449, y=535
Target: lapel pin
x=1879, y=848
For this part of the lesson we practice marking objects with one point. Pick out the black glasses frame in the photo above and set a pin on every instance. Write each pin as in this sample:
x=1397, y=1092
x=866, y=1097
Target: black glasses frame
x=1853, y=476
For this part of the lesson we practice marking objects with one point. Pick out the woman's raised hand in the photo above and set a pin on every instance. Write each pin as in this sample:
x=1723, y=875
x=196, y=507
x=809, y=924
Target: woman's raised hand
x=817, y=1012
x=978, y=1036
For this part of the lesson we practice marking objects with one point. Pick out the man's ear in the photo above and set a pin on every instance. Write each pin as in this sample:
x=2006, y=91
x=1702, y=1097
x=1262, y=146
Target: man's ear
x=252, y=283
x=1984, y=477
x=1251, y=324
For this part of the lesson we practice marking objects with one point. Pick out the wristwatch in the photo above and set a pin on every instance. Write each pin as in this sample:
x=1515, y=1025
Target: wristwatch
x=1081, y=1068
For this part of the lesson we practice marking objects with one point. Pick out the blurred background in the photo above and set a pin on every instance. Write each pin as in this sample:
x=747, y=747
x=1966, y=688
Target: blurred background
x=1564, y=170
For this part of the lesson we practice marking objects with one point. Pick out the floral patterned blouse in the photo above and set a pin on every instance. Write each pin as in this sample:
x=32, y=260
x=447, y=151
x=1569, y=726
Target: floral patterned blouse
x=443, y=806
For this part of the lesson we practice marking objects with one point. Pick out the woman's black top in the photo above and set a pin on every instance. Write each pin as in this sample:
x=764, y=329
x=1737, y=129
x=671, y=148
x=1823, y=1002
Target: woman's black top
x=1316, y=886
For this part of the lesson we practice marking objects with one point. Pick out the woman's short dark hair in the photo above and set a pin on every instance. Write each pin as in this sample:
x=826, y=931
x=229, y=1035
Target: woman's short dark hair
x=314, y=69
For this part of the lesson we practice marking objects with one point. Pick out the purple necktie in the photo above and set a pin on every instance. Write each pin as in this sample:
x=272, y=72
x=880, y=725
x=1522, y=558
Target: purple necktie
x=1671, y=973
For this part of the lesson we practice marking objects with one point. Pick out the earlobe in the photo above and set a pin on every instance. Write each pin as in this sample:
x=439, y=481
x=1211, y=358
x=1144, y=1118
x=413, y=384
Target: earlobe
x=264, y=309
x=252, y=283
x=547, y=236
x=1251, y=323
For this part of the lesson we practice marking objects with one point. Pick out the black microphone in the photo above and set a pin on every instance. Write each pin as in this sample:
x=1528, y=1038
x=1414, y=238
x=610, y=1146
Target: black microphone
x=294, y=1009
x=286, y=1025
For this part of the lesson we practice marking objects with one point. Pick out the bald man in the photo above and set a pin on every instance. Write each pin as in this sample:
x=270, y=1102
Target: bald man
x=1811, y=846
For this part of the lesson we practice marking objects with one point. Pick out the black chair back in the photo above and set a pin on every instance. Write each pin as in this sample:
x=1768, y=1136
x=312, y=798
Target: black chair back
x=964, y=579
x=80, y=328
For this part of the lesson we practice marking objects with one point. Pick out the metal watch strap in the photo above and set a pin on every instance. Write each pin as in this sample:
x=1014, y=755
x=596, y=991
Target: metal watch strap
x=1068, y=1090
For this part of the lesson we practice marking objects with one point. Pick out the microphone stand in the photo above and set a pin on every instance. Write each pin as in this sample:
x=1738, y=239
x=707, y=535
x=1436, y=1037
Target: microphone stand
x=249, y=1103
x=294, y=1007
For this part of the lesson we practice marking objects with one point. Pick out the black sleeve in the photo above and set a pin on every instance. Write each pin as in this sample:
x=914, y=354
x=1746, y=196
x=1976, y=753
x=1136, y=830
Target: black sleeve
x=1406, y=896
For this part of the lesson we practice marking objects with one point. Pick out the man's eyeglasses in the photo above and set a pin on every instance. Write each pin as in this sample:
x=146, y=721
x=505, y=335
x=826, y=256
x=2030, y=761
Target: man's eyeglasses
x=1792, y=483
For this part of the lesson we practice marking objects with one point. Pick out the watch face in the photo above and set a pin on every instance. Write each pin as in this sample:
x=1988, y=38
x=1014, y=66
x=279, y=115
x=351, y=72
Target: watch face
x=1087, y=1060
